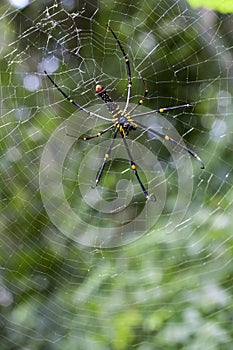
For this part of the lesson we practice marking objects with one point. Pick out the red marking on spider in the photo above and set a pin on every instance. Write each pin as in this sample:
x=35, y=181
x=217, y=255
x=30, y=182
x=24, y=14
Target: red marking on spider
x=98, y=88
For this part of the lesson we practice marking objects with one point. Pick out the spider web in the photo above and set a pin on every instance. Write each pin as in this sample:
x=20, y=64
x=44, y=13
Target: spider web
x=102, y=267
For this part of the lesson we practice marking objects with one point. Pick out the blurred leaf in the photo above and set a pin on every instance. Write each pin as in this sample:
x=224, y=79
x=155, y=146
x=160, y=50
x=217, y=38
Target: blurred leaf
x=225, y=6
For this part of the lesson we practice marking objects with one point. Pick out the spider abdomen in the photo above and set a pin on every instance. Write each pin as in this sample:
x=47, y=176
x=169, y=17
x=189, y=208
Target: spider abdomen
x=112, y=106
x=124, y=123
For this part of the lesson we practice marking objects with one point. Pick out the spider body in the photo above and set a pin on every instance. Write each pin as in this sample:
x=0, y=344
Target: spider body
x=123, y=121
x=125, y=124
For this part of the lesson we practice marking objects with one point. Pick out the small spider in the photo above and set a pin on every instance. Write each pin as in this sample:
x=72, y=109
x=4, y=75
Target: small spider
x=123, y=121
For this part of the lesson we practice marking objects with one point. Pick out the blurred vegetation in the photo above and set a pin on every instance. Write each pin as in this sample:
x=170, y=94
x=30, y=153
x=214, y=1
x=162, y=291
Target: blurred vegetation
x=165, y=291
x=225, y=6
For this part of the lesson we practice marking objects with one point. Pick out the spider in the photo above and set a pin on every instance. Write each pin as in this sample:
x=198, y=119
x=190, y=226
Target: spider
x=123, y=122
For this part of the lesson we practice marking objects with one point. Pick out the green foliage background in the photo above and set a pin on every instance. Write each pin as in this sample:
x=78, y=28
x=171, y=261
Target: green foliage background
x=163, y=291
x=224, y=6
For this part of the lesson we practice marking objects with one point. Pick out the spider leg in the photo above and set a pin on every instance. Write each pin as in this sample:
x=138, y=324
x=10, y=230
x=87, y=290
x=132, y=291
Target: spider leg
x=165, y=109
x=89, y=137
x=127, y=66
x=140, y=102
x=106, y=157
x=74, y=102
x=168, y=138
x=133, y=167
